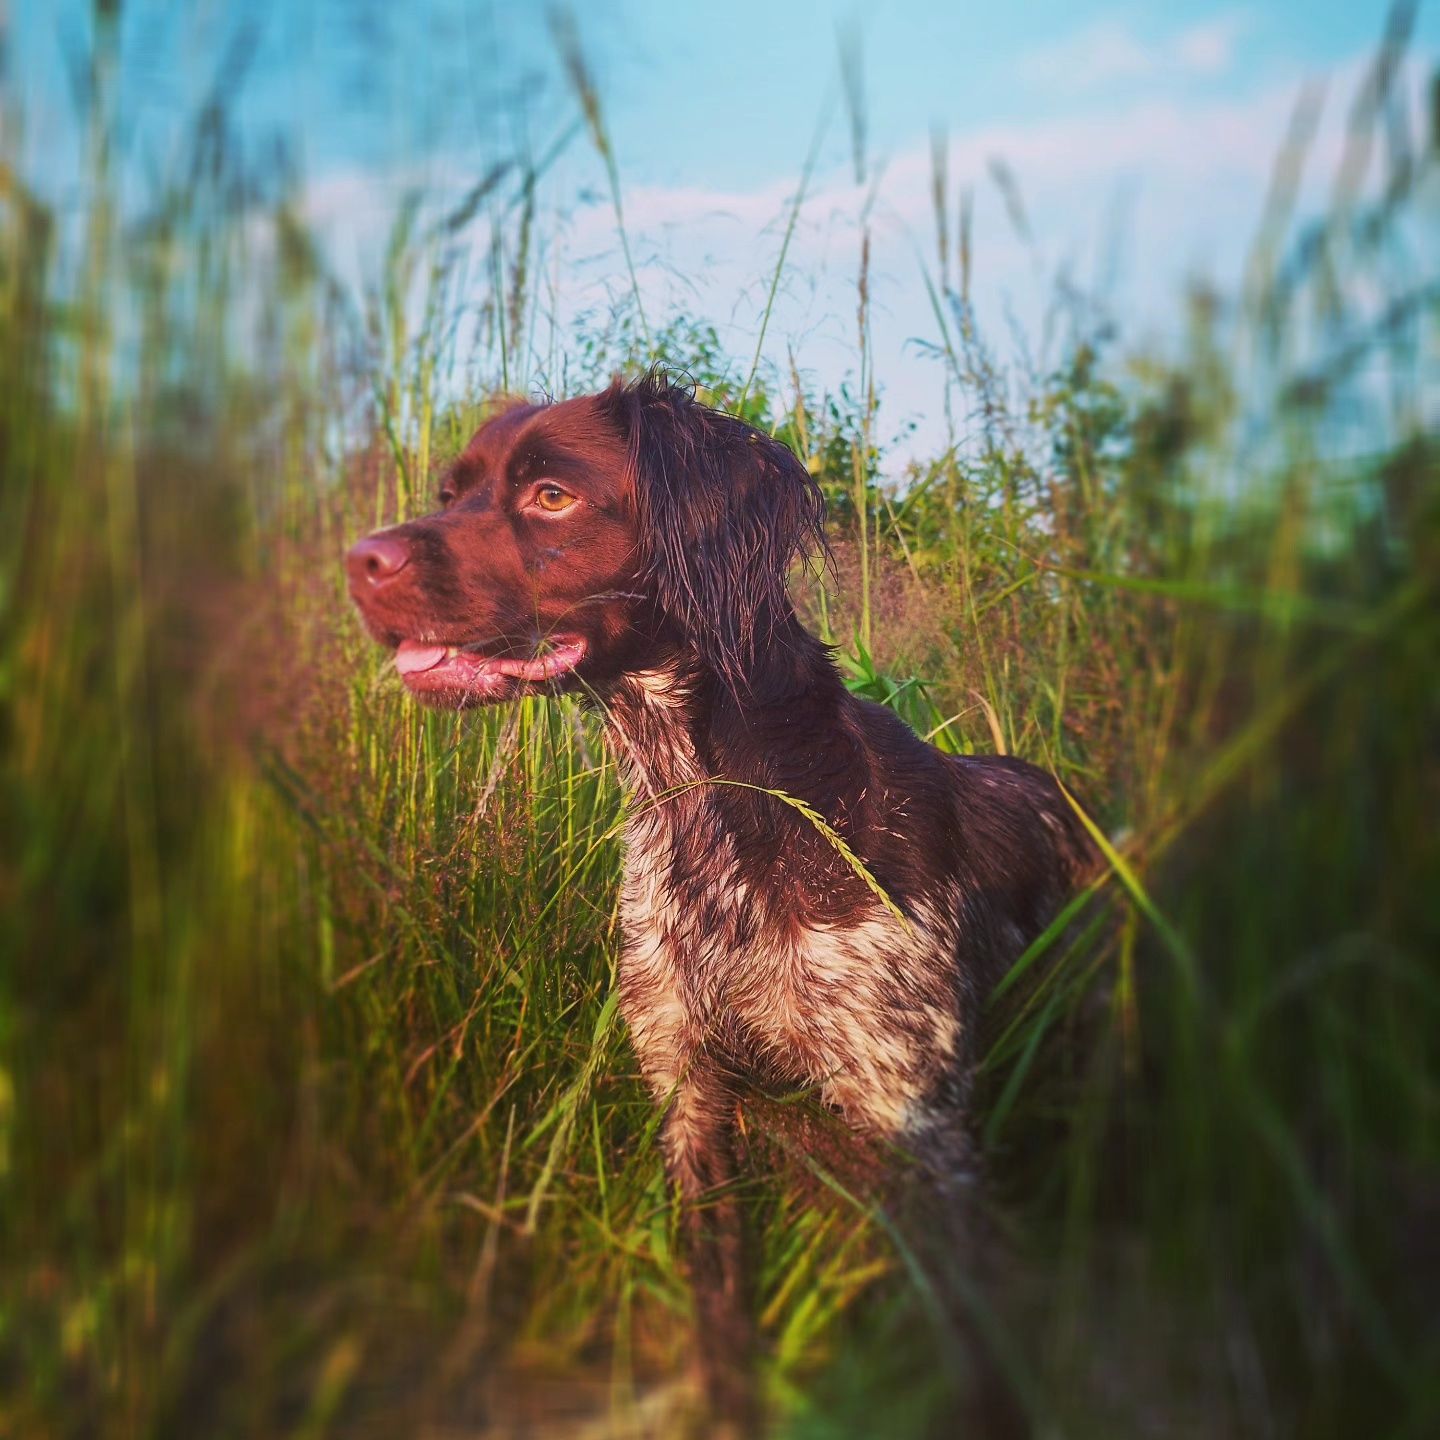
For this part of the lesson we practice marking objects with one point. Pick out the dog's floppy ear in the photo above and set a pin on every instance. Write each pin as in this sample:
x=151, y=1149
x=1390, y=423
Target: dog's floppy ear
x=724, y=509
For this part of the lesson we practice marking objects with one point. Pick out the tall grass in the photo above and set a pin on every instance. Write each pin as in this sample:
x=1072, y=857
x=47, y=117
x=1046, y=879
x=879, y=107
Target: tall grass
x=316, y=1113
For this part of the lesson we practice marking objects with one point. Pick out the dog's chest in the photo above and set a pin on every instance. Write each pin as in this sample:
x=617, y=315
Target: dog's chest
x=866, y=1009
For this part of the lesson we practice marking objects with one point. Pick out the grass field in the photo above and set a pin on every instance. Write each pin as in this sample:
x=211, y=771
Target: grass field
x=316, y=1114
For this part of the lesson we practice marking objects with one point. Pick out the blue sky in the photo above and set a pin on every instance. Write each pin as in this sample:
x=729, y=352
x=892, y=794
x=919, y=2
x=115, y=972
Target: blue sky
x=720, y=95
x=1140, y=137
x=716, y=92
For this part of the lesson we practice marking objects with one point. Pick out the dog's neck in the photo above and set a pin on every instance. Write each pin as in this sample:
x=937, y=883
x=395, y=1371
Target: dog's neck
x=680, y=723
x=713, y=772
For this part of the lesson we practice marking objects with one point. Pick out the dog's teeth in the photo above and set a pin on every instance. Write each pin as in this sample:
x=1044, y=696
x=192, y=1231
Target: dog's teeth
x=451, y=652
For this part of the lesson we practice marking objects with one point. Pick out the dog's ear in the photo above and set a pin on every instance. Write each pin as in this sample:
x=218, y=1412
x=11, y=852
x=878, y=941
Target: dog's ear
x=724, y=509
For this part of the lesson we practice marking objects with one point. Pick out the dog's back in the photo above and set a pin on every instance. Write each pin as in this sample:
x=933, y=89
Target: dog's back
x=1026, y=851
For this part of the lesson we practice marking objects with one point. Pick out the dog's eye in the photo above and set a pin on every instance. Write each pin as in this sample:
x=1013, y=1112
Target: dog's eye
x=446, y=497
x=553, y=498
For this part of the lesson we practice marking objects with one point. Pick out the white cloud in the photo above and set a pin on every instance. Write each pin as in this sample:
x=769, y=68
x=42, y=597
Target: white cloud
x=1193, y=173
x=1109, y=51
x=1103, y=52
x=1209, y=48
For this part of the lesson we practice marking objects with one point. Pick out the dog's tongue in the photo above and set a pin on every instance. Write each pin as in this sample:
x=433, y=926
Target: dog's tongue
x=415, y=658
x=412, y=657
x=543, y=667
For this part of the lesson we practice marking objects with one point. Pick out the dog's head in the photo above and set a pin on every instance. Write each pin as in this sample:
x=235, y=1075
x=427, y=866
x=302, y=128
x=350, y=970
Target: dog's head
x=582, y=540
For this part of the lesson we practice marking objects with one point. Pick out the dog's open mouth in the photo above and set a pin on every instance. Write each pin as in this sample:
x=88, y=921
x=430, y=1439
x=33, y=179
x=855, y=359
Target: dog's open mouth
x=461, y=673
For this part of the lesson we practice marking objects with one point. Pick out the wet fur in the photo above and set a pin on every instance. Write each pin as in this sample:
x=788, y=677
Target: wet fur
x=753, y=953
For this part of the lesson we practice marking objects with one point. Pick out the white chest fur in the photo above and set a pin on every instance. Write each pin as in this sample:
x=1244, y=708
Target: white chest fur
x=859, y=1009
x=866, y=1010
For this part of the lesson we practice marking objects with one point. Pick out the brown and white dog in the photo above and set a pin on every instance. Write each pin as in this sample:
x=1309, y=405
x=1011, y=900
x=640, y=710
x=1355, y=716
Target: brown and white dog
x=633, y=546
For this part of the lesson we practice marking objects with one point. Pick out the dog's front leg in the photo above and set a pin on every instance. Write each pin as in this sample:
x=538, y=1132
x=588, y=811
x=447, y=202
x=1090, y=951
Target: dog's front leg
x=699, y=1140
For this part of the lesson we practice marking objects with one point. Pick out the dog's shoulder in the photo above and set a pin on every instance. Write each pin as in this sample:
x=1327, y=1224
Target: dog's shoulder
x=1018, y=815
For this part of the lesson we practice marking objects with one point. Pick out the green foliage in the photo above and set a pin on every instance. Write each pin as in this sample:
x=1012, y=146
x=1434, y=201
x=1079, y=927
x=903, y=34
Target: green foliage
x=316, y=1110
x=908, y=698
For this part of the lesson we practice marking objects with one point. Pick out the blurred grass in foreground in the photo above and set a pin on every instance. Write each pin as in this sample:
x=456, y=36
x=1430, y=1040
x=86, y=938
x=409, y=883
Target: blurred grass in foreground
x=316, y=1116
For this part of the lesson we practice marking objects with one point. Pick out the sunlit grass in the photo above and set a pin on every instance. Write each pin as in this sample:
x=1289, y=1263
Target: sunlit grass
x=316, y=1111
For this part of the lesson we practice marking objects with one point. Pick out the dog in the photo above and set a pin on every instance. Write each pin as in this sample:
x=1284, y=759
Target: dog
x=633, y=547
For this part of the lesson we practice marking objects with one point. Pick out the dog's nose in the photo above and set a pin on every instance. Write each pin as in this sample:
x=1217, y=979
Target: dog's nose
x=376, y=561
